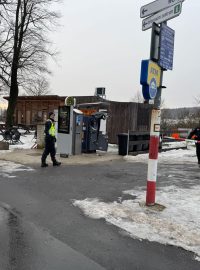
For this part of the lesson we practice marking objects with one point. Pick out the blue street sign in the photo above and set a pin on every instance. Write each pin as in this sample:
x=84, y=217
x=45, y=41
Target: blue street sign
x=166, y=47
x=150, y=91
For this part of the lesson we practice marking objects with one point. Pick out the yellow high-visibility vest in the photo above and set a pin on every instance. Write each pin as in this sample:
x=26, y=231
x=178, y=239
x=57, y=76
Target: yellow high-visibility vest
x=52, y=130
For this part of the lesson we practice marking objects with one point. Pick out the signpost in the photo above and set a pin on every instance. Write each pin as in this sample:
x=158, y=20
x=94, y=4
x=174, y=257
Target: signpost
x=162, y=16
x=166, y=47
x=162, y=50
x=156, y=6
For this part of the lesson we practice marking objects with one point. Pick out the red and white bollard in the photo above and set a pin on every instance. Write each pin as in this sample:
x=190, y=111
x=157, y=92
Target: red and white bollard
x=153, y=157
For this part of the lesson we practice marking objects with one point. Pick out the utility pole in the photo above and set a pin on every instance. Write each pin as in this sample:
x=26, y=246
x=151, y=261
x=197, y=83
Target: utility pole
x=161, y=59
x=155, y=123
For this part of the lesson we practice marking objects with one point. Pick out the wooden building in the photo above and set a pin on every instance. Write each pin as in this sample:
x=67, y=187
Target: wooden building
x=31, y=110
x=123, y=116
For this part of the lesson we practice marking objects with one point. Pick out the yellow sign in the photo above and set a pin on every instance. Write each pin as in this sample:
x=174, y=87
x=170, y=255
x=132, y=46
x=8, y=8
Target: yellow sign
x=154, y=71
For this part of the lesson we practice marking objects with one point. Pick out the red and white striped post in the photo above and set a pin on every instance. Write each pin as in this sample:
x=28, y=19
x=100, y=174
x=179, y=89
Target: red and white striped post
x=155, y=124
x=153, y=157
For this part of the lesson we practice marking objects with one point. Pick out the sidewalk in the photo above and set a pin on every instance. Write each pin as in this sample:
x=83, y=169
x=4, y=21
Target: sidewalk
x=33, y=156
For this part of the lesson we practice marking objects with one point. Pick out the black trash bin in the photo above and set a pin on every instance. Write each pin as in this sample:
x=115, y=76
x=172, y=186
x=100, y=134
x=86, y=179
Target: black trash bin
x=139, y=146
x=122, y=143
x=145, y=146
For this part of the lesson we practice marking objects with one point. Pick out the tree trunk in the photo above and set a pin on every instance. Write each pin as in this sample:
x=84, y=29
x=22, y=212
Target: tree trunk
x=12, y=103
x=14, y=83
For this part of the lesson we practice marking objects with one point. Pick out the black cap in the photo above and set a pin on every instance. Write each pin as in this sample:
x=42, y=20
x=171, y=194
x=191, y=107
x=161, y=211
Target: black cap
x=51, y=113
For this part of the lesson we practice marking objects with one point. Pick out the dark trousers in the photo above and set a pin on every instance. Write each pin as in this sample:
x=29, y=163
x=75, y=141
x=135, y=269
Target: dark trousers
x=49, y=149
x=198, y=151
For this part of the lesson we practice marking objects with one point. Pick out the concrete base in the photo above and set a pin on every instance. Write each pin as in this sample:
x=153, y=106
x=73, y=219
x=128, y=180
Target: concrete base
x=4, y=146
x=40, y=136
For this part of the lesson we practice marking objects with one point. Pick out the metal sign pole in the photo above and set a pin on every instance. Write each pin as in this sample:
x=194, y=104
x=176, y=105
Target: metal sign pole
x=127, y=149
x=154, y=143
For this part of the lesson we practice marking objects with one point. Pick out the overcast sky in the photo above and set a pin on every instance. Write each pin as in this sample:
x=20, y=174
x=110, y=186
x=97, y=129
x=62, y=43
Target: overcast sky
x=101, y=44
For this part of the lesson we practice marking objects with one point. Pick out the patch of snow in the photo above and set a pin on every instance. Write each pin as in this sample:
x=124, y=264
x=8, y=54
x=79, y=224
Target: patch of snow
x=178, y=224
x=7, y=168
x=179, y=155
x=112, y=148
x=27, y=142
x=197, y=258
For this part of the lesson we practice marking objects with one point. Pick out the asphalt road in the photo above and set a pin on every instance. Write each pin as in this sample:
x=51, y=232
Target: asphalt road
x=40, y=228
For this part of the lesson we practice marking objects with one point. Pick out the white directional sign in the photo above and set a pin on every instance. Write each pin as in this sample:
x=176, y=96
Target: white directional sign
x=162, y=16
x=156, y=6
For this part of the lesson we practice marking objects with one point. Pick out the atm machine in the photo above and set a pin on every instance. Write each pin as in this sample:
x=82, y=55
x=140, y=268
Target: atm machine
x=64, y=137
x=93, y=137
x=69, y=138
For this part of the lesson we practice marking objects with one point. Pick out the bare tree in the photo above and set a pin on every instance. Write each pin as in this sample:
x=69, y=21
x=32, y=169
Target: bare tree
x=138, y=97
x=38, y=87
x=4, y=2
x=162, y=103
x=24, y=45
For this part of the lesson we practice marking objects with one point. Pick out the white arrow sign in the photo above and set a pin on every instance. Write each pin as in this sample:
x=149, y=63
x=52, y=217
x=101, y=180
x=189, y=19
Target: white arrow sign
x=162, y=16
x=156, y=6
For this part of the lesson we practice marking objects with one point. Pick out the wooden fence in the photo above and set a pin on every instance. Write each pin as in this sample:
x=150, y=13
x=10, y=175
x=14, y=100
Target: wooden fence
x=124, y=116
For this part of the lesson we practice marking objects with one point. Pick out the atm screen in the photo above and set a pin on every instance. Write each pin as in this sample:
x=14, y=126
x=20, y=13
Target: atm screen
x=64, y=119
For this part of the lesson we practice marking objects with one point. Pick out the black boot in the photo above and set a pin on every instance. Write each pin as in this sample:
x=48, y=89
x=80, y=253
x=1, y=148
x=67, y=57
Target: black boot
x=44, y=164
x=56, y=163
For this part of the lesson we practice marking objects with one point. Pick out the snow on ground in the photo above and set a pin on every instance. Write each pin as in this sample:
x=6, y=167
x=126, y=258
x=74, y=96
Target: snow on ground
x=179, y=156
x=7, y=168
x=112, y=148
x=177, y=224
x=27, y=141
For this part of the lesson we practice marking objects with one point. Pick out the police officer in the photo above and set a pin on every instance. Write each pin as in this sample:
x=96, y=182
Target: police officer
x=195, y=133
x=50, y=140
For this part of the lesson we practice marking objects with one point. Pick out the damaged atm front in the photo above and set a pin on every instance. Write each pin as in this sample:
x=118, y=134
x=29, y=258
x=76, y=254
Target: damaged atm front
x=94, y=133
